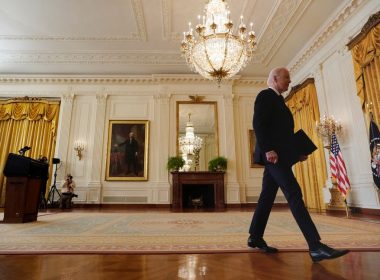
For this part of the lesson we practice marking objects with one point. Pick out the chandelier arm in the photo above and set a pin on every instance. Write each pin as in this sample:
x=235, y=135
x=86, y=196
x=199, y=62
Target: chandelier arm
x=195, y=62
x=242, y=49
x=225, y=50
x=206, y=53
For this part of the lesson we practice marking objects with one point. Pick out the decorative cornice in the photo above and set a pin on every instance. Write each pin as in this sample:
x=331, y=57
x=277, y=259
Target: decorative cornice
x=63, y=79
x=323, y=36
x=132, y=37
x=372, y=22
x=163, y=98
x=125, y=79
x=21, y=96
x=101, y=98
x=251, y=82
x=27, y=98
x=68, y=97
x=51, y=79
x=125, y=57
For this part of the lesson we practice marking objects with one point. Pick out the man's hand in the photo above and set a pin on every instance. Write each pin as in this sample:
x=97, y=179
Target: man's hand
x=272, y=156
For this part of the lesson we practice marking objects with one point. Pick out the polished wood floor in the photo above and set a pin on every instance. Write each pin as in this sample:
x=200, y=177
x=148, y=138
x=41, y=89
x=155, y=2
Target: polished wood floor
x=239, y=266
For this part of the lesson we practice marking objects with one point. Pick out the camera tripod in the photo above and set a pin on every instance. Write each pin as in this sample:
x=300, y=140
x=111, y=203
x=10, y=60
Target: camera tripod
x=54, y=191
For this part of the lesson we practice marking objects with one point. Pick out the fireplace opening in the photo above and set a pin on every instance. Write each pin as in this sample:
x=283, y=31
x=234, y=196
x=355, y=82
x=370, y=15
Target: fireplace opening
x=198, y=196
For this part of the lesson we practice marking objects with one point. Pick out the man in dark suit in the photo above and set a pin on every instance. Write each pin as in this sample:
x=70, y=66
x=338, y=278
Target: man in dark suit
x=274, y=127
x=131, y=153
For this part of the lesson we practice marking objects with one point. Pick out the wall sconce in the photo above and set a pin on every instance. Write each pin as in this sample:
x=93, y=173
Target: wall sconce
x=79, y=147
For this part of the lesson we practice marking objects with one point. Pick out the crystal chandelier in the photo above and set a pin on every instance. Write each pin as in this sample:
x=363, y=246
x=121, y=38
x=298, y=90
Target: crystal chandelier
x=189, y=144
x=326, y=127
x=216, y=53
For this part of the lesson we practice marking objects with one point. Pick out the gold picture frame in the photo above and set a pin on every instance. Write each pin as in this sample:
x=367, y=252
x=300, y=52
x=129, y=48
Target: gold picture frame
x=252, y=144
x=127, y=150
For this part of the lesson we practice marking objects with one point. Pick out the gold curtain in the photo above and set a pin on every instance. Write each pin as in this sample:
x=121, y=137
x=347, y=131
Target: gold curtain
x=311, y=174
x=30, y=123
x=366, y=58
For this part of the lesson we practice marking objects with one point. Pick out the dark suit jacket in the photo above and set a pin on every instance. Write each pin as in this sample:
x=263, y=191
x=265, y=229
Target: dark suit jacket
x=131, y=148
x=274, y=128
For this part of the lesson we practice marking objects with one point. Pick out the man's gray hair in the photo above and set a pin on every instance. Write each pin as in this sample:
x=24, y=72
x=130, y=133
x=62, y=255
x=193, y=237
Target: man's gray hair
x=274, y=73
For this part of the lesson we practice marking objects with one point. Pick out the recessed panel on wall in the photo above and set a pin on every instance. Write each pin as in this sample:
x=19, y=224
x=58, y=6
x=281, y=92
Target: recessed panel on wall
x=82, y=126
x=129, y=109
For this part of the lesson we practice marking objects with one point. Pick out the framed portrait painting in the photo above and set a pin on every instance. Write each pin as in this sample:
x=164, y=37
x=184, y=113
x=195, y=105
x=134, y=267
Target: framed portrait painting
x=252, y=143
x=127, y=151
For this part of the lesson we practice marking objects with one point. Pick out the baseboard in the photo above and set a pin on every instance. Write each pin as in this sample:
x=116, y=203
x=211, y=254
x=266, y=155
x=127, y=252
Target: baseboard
x=354, y=210
x=122, y=206
x=254, y=204
x=366, y=211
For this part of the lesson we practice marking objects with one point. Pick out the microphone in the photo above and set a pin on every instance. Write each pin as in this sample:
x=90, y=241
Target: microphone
x=23, y=150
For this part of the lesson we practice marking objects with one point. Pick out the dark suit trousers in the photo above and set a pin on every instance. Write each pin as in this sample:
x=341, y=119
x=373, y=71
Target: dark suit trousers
x=276, y=176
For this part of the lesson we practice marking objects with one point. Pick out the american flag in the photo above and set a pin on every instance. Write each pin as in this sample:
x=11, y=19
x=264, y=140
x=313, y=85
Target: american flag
x=338, y=168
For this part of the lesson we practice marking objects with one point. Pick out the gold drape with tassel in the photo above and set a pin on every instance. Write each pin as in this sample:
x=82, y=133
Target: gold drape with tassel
x=365, y=50
x=311, y=174
x=30, y=123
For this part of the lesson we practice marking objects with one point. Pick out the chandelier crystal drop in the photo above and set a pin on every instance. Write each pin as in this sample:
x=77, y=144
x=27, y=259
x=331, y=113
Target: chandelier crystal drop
x=215, y=52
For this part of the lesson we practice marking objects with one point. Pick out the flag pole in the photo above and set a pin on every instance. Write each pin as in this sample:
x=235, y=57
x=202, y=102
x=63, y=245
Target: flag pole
x=348, y=214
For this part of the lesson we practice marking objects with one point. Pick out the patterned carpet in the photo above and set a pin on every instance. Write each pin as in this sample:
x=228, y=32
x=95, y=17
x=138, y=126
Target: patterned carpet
x=80, y=232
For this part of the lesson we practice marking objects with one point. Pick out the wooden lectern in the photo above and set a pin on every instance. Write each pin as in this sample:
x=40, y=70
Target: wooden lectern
x=24, y=178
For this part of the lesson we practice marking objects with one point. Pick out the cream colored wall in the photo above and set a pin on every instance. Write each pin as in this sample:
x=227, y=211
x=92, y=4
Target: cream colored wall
x=332, y=69
x=88, y=104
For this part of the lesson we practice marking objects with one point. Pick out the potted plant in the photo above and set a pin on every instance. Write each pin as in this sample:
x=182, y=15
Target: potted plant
x=217, y=164
x=175, y=163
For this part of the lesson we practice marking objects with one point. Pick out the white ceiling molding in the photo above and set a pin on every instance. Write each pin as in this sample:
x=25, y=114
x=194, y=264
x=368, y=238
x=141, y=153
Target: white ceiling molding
x=251, y=82
x=322, y=37
x=133, y=37
x=140, y=20
x=166, y=9
x=139, y=35
x=86, y=57
x=124, y=79
x=282, y=36
x=277, y=23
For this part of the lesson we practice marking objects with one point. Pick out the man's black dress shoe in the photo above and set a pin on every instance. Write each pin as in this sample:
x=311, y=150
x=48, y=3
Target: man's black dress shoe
x=324, y=252
x=261, y=244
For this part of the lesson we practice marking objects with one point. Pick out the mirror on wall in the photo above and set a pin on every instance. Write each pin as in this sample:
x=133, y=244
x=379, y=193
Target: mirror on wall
x=197, y=133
